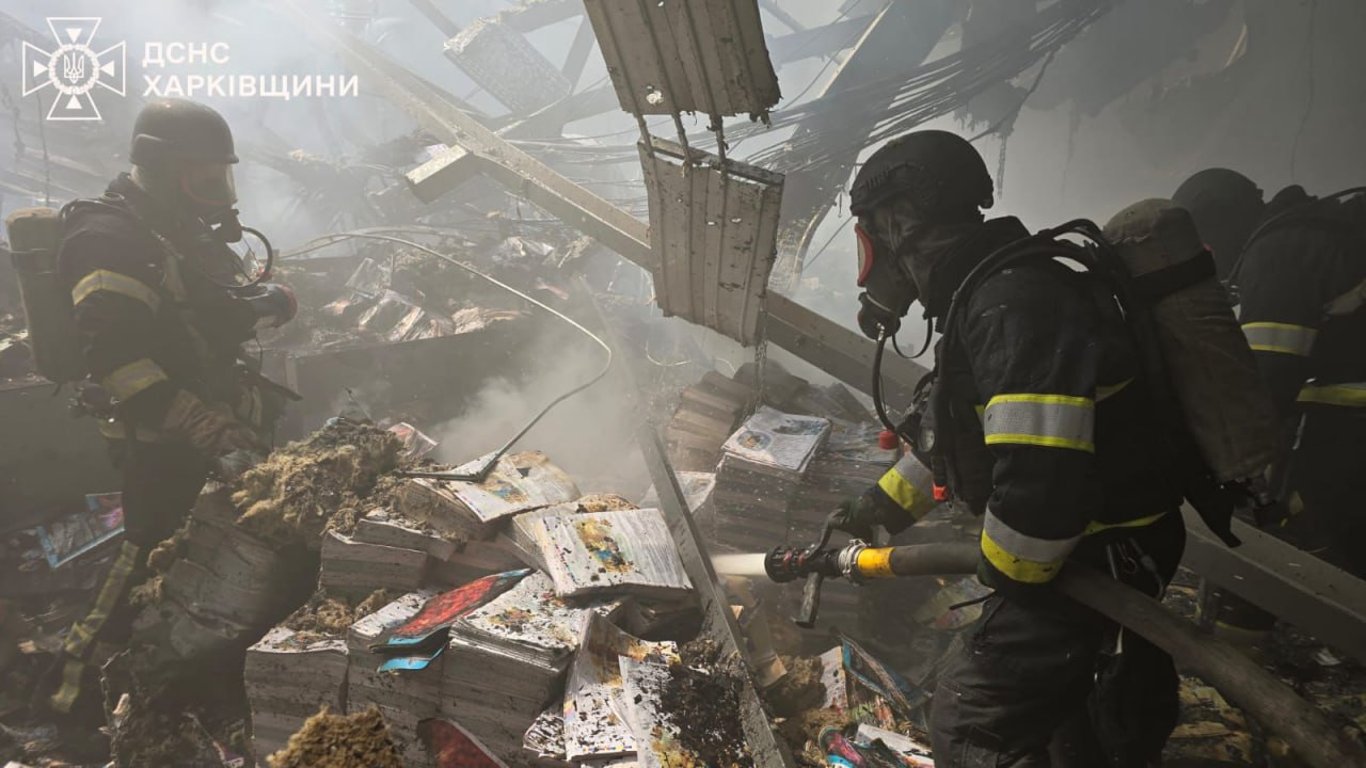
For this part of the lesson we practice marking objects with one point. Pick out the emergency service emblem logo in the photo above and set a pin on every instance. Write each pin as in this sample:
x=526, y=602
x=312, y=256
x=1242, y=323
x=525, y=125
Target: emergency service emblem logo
x=74, y=68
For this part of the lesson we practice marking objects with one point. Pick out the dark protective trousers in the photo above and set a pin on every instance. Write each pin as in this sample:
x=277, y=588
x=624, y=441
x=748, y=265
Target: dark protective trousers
x=1328, y=473
x=1039, y=682
x=160, y=484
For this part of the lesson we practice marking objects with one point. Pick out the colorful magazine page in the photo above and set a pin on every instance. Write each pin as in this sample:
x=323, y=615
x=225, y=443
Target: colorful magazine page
x=532, y=617
x=413, y=663
x=439, y=612
x=82, y=532
x=877, y=692
x=780, y=440
x=415, y=444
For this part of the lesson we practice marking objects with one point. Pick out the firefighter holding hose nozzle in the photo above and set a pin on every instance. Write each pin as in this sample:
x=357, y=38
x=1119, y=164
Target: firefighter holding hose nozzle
x=1044, y=419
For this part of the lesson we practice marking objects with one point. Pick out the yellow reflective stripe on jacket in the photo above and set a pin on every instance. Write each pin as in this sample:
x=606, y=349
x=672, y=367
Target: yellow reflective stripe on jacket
x=1053, y=421
x=1284, y=338
x=115, y=282
x=127, y=381
x=908, y=485
x=1094, y=527
x=1033, y=560
x=84, y=632
x=1017, y=568
x=1352, y=395
x=114, y=429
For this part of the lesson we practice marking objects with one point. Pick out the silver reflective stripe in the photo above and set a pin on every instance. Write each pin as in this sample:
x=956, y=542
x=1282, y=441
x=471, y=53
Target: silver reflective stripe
x=916, y=474
x=1027, y=547
x=1284, y=338
x=1055, y=421
x=1352, y=394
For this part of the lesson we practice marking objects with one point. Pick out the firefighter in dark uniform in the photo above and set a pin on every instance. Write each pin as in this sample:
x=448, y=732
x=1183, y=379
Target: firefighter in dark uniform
x=1302, y=283
x=161, y=323
x=1226, y=206
x=1050, y=437
x=1296, y=264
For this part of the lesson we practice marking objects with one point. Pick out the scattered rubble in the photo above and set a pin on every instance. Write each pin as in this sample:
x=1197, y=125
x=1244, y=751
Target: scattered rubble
x=325, y=615
x=292, y=496
x=701, y=699
x=800, y=690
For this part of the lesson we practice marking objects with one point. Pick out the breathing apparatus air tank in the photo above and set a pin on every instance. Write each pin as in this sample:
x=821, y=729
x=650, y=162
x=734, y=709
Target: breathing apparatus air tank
x=35, y=235
x=1209, y=363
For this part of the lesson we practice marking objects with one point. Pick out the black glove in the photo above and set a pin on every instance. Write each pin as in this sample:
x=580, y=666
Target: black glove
x=1216, y=504
x=856, y=517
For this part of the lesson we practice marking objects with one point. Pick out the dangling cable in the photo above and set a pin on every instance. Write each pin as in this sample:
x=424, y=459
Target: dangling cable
x=482, y=472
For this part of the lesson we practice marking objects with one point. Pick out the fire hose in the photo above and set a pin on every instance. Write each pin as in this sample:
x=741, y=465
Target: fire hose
x=1271, y=702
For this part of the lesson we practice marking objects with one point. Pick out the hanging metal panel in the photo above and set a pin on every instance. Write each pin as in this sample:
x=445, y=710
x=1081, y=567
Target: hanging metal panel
x=713, y=228
x=686, y=55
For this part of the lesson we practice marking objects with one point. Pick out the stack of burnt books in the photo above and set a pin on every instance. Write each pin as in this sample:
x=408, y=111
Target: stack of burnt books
x=398, y=656
x=850, y=462
x=227, y=589
x=543, y=742
x=404, y=699
x=355, y=568
x=698, y=489
x=762, y=468
x=506, y=660
x=289, y=676
x=707, y=413
x=451, y=559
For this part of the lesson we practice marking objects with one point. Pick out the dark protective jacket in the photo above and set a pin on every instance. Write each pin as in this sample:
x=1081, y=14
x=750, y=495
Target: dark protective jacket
x=1050, y=430
x=150, y=308
x=1302, y=261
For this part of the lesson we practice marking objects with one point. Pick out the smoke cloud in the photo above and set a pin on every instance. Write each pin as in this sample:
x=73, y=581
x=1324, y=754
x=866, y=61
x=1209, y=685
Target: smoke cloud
x=591, y=435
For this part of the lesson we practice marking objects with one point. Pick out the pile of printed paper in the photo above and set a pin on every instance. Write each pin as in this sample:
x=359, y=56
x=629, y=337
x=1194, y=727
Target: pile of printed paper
x=762, y=468
x=501, y=582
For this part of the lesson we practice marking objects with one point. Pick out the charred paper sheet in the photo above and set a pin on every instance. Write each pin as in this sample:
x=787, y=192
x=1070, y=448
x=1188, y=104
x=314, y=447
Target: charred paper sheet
x=518, y=483
x=545, y=737
x=596, y=707
x=657, y=739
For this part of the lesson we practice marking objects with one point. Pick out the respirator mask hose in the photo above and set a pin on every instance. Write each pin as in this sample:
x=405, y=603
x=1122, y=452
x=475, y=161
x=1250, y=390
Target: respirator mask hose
x=879, y=404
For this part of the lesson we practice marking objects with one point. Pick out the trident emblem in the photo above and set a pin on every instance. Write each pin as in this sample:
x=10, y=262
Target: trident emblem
x=74, y=69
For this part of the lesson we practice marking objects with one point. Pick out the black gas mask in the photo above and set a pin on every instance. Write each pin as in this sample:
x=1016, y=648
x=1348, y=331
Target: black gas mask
x=888, y=290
